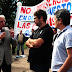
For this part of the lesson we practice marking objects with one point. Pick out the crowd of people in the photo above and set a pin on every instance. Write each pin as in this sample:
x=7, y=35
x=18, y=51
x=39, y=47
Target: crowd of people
x=48, y=48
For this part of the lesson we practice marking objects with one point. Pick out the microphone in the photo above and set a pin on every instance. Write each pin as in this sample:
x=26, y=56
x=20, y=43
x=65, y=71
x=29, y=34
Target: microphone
x=3, y=29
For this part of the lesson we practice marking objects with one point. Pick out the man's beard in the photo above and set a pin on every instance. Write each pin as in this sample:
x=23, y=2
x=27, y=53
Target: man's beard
x=39, y=24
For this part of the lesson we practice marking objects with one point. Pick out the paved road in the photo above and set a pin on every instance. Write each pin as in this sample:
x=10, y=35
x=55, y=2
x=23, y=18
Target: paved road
x=21, y=64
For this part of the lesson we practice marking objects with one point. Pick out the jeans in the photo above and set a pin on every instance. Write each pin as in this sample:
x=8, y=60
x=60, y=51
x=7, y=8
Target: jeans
x=18, y=48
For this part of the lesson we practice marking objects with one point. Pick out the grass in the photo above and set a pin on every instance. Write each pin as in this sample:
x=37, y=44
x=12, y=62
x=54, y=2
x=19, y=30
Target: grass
x=25, y=47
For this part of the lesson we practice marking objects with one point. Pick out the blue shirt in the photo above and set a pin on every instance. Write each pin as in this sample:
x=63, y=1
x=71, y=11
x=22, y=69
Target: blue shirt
x=59, y=55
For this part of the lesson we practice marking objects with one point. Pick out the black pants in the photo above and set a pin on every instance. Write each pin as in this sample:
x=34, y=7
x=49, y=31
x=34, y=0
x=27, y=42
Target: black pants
x=13, y=50
x=39, y=68
x=5, y=67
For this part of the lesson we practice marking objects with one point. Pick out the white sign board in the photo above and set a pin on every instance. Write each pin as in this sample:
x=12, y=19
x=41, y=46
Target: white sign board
x=24, y=16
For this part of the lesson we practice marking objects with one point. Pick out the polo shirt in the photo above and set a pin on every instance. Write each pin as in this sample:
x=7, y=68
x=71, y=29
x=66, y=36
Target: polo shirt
x=42, y=55
x=63, y=42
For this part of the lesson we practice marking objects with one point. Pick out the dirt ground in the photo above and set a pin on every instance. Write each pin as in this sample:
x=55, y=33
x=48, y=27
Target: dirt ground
x=21, y=64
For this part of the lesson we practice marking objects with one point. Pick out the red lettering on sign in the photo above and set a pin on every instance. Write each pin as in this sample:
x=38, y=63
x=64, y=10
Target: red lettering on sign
x=18, y=25
x=23, y=26
x=39, y=7
x=28, y=25
x=46, y=4
x=28, y=10
x=34, y=26
x=50, y=21
x=25, y=10
x=53, y=23
x=47, y=22
x=58, y=1
x=45, y=7
x=71, y=17
x=49, y=3
x=22, y=10
x=54, y=2
x=65, y=1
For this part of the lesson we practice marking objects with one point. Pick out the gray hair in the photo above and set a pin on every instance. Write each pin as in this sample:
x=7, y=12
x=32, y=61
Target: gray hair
x=2, y=16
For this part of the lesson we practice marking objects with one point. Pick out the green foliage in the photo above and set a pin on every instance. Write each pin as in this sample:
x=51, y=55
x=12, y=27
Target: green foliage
x=25, y=47
x=9, y=8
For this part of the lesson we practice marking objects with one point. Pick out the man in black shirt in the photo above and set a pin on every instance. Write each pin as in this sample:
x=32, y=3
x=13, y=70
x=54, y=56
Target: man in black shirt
x=40, y=44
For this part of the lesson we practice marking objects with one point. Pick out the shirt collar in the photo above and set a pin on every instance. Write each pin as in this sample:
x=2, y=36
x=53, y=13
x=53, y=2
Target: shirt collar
x=67, y=27
x=44, y=26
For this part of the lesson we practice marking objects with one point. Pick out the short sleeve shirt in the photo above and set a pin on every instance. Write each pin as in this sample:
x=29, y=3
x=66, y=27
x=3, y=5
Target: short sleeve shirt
x=59, y=55
x=41, y=55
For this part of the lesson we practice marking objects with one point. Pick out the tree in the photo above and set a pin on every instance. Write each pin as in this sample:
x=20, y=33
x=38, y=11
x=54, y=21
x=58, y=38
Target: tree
x=9, y=7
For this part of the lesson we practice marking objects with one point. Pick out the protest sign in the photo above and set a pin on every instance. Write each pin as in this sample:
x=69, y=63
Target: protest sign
x=24, y=16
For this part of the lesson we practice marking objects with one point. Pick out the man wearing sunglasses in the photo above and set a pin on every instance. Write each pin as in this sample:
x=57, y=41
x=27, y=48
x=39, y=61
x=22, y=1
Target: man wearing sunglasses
x=40, y=44
x=6, y=38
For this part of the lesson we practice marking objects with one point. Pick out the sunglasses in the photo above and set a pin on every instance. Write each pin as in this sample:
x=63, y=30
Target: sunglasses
x=2, y=21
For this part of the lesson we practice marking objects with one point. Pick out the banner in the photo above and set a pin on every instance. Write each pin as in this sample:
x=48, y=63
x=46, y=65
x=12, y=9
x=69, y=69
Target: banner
x=24, y=16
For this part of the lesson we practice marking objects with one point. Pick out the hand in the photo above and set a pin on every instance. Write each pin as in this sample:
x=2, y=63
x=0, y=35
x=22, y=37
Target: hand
x=11, y=31
x=3, y=35
x=30, y=46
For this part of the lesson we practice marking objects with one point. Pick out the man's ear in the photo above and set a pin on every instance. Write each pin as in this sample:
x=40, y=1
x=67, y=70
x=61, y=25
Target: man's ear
x=60, y=21
x=41, y=18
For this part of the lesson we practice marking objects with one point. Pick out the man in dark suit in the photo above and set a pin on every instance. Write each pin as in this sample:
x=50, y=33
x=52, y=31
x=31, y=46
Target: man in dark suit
x=6, y=38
